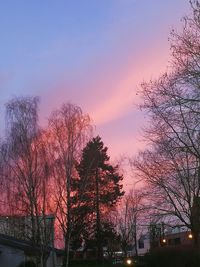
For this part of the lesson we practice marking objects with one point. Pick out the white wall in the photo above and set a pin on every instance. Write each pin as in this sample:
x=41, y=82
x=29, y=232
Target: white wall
x=10, y=257
x=142, y=251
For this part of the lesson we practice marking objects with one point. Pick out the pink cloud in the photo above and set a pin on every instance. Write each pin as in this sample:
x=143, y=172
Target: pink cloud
x=122, y=97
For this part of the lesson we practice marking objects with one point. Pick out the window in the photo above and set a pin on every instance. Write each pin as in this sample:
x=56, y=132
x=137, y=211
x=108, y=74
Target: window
x=141, y=243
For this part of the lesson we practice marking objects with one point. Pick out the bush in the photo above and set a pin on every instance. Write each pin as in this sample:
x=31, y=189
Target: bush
x=140, y=261
x=176, y=257
x=88, y=263
x=27, y=264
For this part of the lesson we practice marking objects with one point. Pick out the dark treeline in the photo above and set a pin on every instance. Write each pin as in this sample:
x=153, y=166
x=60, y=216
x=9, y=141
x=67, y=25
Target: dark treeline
x=59, y=173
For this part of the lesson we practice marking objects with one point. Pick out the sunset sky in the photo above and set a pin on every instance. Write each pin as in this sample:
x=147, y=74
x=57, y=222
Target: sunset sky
x=93, y=53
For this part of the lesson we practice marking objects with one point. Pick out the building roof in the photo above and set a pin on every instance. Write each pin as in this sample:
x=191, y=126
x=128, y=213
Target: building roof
x=27, y=246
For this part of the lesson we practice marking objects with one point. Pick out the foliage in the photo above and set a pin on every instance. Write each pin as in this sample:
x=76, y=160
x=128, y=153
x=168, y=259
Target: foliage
x=88, y=263
x=176, y=257
x=98, y=190
x=27, y=264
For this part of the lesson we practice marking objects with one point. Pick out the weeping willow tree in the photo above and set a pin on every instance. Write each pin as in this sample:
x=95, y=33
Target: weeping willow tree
x=27, y=178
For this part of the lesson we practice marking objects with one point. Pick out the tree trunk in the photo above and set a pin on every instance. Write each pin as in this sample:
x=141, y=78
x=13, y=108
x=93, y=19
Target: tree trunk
x=68, y=233
x=98, y=222
x=135, y=236
x=66, y=251
x=64, y=261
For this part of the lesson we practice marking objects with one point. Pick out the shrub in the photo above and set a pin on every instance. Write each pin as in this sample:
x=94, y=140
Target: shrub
x=88, y=263
x=176, y=257
x=27, y=264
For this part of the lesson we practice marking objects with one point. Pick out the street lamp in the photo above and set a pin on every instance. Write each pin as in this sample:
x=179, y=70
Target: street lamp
x=163, y=242
x=129, y=261
x=190, y=236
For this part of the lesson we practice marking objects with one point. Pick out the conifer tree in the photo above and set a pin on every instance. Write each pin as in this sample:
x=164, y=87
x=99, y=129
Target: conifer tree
x=98, y=189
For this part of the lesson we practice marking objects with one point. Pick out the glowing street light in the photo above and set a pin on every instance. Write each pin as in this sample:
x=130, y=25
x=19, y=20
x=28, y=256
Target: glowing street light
x=164, y=241
x=190, y=236
x=129, y=261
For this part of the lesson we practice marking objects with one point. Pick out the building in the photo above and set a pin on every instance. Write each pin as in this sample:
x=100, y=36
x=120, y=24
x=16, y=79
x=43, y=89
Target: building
x=20, y=227
x=18, y=246
x=143, y=244
x=184, y=238
x=14, y=252
x=173, y=238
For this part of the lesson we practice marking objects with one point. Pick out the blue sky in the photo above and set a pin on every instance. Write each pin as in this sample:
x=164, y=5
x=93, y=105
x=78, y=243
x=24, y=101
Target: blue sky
x=93, y=53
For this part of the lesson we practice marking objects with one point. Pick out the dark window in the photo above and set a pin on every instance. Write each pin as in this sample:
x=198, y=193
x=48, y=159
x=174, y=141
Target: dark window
x=141, y=243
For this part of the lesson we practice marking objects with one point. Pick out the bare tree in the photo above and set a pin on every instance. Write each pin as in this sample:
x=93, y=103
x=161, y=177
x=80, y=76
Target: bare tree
x=172, y=181
x=27, y=174
x=128, y=220
x=171, y=166
x=69, y=129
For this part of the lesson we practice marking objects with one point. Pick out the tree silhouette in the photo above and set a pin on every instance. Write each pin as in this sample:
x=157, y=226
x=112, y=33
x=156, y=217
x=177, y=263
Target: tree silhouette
x=98, y=189
x=68, y=131
x=171, y=166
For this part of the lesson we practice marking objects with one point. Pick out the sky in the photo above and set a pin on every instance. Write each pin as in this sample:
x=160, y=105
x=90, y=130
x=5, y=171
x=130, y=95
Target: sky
x=92, y=53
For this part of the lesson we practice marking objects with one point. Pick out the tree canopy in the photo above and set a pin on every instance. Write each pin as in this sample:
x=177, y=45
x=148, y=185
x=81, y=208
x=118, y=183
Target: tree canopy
x=99, y=188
